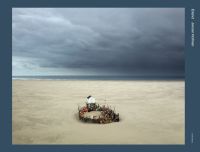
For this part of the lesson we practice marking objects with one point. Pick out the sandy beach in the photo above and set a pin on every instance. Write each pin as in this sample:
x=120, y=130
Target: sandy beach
x=45, y=112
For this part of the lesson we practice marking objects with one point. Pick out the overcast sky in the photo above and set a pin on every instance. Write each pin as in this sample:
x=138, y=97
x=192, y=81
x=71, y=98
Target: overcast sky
x=98, y=41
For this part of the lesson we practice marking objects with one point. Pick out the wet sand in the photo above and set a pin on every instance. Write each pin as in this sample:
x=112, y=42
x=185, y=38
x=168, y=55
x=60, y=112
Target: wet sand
x=45, y=112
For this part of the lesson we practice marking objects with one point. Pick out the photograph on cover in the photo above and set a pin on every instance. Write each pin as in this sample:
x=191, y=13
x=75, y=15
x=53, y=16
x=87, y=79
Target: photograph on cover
x=98, y=76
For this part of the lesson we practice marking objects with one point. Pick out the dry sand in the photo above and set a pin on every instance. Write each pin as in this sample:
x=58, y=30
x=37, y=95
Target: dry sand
x=45, y=112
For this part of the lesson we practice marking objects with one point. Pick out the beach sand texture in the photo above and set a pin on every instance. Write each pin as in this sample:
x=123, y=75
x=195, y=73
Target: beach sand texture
x=45, y=112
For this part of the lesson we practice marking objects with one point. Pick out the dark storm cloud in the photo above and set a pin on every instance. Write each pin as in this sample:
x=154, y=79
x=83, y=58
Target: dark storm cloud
x=109, y=40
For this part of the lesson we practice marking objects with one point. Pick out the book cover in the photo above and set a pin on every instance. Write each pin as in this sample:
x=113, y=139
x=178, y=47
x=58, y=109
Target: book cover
x=100, y=75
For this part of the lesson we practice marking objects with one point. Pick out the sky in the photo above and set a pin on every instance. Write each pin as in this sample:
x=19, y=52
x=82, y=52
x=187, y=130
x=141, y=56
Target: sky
x=98, y=41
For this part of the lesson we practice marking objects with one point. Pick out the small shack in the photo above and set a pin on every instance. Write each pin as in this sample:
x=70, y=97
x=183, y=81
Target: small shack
x=91, y=104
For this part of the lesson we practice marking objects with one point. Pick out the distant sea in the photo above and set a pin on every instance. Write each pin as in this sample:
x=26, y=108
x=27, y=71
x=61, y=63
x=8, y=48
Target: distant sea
x=98, y=77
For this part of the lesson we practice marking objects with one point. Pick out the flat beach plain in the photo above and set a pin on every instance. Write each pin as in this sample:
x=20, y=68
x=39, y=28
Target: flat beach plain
x=45, y=112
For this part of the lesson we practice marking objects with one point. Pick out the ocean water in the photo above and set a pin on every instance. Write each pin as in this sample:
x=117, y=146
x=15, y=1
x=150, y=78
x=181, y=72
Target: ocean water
x=98, y=77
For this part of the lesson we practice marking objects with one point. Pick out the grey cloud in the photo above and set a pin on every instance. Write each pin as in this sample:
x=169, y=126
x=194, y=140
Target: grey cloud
x=118, y=40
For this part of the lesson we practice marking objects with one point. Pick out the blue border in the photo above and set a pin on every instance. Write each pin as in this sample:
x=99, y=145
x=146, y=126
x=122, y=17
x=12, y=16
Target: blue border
x=192, y=89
